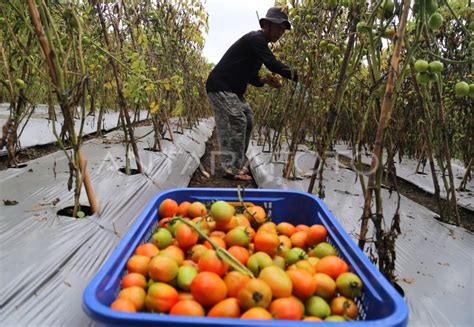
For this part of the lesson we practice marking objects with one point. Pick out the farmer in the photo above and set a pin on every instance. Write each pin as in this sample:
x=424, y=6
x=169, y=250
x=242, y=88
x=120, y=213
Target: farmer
x=227, y=84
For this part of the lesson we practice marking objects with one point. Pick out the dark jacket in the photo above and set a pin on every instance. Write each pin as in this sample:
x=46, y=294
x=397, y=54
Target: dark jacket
x=241, y=63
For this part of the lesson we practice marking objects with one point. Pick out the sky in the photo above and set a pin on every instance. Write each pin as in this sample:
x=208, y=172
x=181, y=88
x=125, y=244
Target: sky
x=228, y=21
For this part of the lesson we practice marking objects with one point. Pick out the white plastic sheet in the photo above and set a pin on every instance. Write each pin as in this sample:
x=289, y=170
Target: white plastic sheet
x=47, y=260
x=435, y=261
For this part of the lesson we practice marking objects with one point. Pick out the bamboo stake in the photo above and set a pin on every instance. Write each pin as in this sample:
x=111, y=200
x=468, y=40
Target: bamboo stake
x=384, y=113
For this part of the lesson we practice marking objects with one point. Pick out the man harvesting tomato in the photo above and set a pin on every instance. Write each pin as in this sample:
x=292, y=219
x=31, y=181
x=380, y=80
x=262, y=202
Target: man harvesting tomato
x=227, y=83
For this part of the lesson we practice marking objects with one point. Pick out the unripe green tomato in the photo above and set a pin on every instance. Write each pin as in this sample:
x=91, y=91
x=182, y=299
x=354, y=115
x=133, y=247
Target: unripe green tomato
x=435, y=21
x=435, y=67
x=20, y=83
x=461, y=89
x=422, y=78
x=471, y=91
x=421, y=66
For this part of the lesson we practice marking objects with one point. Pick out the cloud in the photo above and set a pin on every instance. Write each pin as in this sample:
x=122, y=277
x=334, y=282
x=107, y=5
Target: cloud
x=228, y=21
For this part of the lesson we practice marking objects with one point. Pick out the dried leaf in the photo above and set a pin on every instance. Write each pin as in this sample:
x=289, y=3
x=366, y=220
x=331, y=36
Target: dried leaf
x=9, y=202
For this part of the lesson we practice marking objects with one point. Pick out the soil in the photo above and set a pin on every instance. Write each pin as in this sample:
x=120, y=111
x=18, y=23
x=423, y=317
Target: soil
x=425, y=199
x=212, y=165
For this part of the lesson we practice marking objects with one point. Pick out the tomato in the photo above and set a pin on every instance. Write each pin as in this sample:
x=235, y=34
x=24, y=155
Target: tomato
x=173, y=252
x=278, y=280
x=185, y=276
x=256, y=313
x=197, y=209
x=286, y=308
x=196, y=252
x=210, y=261
x=255, y=213
x=187, y=308
x=266, y=242
x=167, y=208
x=183, y=209
x=221, y=211
x=147, y=249
x=349, y=285
x=161, y=297
x=123, y=305
x=258, y=261
x=325, y=285
x=304, y=284
x=285, y=228
x=294, y=255
x=208, y=288
x=316, y=234
x=317, y=306
x=134, y=294
x=235, y=280
x=323, y=249
x=163, y=269
x=343, y=306
x=298, y=239
x=228, y=308
x=138, y=264
x=332, y=266
x=134, y=279
x=186, y=236
x=255, y=293
x=237, y=236
x=240, y=253
x=162, y=238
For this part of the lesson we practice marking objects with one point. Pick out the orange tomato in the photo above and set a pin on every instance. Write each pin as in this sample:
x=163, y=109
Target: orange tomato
x=123, y=305
x=196, y=209
x=266, y=242
x=210, y=261
x=235, y=280
x=343, y=306
x=173, y=252
x=134, y=294
x=304, y=284
x=255, y=293
x=316, y=234
x=256, y=313
x=161, y=297
x=183, y=208
x=255, y=213
x=285, y=228
x=187, y=308
x=186, y=236
x=332, y=265
x=134, y=279
x=138, y=264
x=218, y=240
x=278, y=280
x=228, y=308
x=147, y=249
x=325, y=285
x=301, y=227
x=168, y=208
x=269, y=226
x=286, y=308
x=163, y=268
x=298, y=239
x=197, y=251
x=240, y=253
x=208, y=288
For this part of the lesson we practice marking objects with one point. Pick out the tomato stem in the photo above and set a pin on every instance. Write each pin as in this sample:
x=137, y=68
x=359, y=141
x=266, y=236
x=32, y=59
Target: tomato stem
x=222, y=253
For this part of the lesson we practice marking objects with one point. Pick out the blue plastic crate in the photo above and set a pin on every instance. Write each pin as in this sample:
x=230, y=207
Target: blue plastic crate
x=379, y=305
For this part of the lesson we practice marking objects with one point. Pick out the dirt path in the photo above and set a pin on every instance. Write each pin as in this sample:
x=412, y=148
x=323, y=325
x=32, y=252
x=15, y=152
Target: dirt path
x=211, y=163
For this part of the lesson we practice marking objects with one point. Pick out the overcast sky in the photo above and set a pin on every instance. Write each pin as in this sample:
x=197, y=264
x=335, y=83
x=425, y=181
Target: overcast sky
x=228, y=21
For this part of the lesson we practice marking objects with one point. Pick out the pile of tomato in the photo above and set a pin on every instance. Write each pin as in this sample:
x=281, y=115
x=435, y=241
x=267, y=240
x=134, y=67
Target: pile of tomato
x=232, y=261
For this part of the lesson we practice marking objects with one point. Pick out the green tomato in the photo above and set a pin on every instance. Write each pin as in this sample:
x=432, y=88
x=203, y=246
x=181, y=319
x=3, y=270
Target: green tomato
x=461, y=89
x=421, y=66
x=435, y=67
x=422, y=78
x=435, y=21
x=471, y=91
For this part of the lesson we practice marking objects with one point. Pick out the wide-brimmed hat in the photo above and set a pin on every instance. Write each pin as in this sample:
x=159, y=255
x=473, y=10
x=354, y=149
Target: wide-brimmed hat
x=278, y=16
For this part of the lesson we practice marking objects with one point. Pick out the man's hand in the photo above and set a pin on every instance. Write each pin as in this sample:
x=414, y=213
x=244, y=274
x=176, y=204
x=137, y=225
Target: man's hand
x=271, y=80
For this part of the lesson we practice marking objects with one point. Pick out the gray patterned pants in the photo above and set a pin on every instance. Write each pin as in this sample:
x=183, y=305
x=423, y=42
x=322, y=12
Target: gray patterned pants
x=234, y=122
